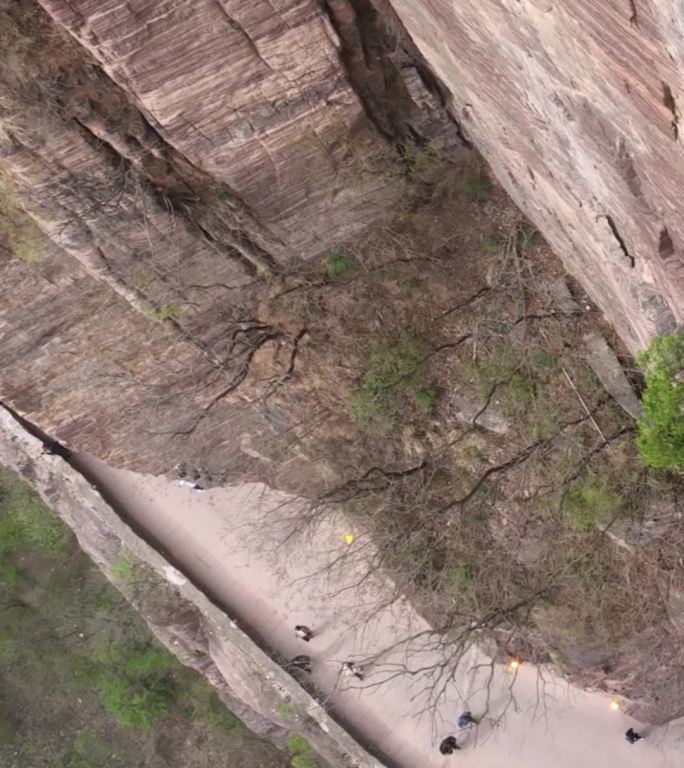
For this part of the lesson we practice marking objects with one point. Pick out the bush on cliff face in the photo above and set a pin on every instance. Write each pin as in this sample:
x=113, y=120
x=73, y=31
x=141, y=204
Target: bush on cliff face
x=660, y=436
x=394, y=365
x=590, y=502
x=302, y=753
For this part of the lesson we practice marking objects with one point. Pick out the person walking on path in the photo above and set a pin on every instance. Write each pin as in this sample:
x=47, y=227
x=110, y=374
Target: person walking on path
x=632, y=736
x=302, y=662
x=448, y=746
x=303, y=632
x=190, y=484
x=353, y=670
x=466, y=718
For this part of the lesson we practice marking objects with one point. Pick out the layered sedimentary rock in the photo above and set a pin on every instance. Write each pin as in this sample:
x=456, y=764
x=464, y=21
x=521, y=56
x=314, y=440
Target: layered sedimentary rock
x=198, y=150
x=255, y=95
x=134, y=316
x=576, y=105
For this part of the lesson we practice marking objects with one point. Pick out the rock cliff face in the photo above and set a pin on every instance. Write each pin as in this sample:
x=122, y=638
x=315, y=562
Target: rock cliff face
x=251, y=93
x=173, y=157
x=576, y=105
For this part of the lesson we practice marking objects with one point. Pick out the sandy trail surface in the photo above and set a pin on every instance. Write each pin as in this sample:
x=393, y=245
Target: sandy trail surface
x=227, y=542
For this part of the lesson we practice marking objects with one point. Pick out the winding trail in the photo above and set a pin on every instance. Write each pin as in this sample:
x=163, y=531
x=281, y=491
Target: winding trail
x=226, y=540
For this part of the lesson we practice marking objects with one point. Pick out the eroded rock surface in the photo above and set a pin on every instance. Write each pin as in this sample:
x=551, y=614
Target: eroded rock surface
x=606, y=366
x=576, y=105
x=252, y=93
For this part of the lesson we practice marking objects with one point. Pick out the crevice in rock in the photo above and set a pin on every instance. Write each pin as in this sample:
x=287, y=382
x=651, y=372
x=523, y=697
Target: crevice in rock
x=634, y=13
x=401, y=96
x=177, y=196
x=620, y=240
x=235, y=24
x=666, y=247
x=671, y=104
x=628, y=170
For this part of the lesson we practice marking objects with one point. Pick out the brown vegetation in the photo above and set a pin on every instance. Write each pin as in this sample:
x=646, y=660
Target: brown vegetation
x=499, y=523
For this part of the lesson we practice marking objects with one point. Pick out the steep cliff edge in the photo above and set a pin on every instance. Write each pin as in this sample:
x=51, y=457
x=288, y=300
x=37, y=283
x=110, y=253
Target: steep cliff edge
x=576, y=105
x=253, y=95
x=199, y=633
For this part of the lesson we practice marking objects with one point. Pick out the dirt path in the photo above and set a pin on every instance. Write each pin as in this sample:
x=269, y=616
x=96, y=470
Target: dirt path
x=533, y=720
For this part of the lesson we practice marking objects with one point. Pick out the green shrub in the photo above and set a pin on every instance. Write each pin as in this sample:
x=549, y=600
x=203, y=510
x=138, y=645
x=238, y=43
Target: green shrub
x=140, y=704
x=123, y=569
x=340, y=264
x=423, y=159
x=544, y=359
x=150, y=661
x=407, y=286
x=302, y=753
x=392, y=366
x=370, y=411
x=516, y=395
x=425, y=398
x=558, y=659
x=492, y=244
x=25, y=522
x=8, y=575
x=660, y=435
x=459, y=576
x=137, y=687
x=204, y=704
x=165, y=312
x=477, y=188
x=86, y=751
x=225, y=194
x=26, y=240
x=589, y=502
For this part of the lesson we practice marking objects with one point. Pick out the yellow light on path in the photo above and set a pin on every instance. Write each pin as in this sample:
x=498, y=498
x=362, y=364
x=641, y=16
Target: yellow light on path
x=348, y=538
x=615, y=705
x=514, y=664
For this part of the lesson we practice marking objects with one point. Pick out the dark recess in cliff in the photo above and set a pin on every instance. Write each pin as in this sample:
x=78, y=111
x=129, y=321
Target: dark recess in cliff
x=399, y=93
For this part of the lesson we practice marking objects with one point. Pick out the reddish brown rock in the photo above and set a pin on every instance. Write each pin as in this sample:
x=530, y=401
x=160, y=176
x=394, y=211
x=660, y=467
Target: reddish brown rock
x=576, y=105
x=252, y=93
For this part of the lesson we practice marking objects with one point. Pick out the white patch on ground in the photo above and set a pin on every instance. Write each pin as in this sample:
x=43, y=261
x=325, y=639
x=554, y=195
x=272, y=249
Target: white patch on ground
x=174, y=576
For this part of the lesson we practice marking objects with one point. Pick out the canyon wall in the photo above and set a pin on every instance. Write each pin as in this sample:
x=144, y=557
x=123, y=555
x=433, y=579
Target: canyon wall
x=175, y=159
x=177, y=156
x=253, y=94
x=576, y=105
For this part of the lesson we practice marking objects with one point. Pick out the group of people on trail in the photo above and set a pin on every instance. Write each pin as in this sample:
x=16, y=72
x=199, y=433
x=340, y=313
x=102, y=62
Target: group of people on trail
x=303, y=662
x=350, y=668
x=448, y=745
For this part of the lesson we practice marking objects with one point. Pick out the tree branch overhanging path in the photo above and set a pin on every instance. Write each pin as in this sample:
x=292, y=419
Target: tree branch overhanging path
x=413, y=688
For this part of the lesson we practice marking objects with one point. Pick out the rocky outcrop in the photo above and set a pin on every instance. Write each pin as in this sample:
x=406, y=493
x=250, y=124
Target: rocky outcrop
x=129, y=327
x=199, y=633
x=123, y=328
x=576, y=105
x=253, y=95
